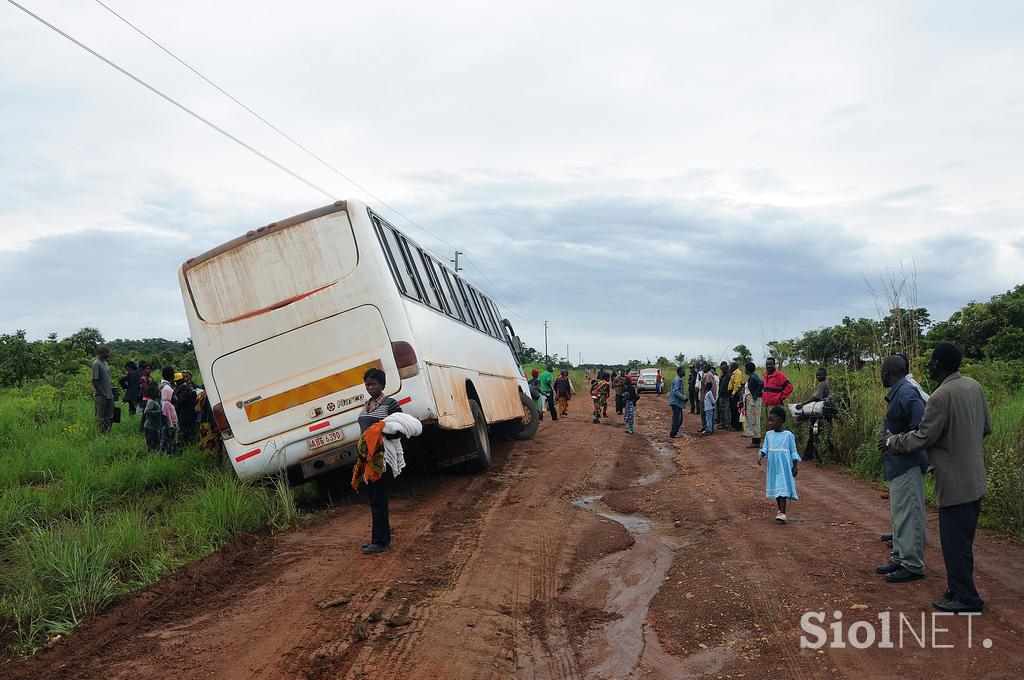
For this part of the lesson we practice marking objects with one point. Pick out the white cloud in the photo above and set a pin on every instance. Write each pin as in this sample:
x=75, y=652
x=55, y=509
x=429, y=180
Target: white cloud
x=832, y=139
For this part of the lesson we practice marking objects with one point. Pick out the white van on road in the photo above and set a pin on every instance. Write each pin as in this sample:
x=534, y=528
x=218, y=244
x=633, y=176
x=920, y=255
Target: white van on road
x=287, y=318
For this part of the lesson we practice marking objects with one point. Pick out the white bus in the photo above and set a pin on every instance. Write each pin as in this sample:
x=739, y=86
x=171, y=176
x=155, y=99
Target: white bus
x=287, y=318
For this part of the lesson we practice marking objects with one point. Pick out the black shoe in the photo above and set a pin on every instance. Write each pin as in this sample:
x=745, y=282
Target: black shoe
x=887, y=538
x=375, y=548
x=957, y=607
x=901, y=575
x=888, y=568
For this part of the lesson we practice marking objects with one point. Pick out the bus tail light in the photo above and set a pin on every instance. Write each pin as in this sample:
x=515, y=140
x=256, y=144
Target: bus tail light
x=222, y=421
x=405, y=358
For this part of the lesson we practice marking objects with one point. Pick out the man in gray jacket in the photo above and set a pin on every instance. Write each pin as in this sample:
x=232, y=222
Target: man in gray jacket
x=103, y=394
x=955, y=423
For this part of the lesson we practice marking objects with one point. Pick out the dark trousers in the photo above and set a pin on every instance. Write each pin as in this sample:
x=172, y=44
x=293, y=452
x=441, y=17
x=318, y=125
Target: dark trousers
x=694, y=405
x=618, y=403
x=378, y=492
x=811, y=449
x=152, y=439
x=677, y=419
x=734, y=413
x=957, y=524
x=549, y=399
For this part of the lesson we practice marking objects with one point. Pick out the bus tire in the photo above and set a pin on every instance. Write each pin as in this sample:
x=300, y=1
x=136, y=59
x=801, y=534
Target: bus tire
x=480, y=440
x=529, y=429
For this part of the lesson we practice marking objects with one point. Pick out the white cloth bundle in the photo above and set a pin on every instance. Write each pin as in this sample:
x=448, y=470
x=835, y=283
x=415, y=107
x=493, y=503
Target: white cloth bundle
x=405, y=425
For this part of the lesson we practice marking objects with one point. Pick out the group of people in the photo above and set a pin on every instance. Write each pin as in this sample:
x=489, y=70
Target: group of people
x=941, y=433
x=619, y=384
x=551, y=393
x=174, y=411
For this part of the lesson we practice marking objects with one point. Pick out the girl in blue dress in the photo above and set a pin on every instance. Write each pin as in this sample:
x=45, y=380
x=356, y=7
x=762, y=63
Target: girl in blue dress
x=780, y=449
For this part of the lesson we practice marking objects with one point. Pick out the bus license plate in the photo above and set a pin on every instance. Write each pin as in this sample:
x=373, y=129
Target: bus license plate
x=325, y=439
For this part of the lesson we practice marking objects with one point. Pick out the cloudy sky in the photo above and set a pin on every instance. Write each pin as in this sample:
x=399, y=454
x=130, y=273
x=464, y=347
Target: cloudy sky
x=651, y=178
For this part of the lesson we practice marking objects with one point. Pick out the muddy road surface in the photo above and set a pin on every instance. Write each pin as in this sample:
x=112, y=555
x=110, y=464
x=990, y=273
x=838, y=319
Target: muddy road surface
x=583, y=553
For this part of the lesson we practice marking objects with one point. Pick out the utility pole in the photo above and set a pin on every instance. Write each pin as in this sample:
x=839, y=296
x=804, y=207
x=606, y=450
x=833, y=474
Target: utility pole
x=456, y=261
x=545, y=341
x=567, y=353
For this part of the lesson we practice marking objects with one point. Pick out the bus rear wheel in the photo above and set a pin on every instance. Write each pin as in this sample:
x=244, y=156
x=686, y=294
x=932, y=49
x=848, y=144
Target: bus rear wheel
x=531, y=418
x=480, y=439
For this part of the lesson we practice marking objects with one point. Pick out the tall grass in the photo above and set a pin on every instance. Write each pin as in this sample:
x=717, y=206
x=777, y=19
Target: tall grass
x=87, y=519
x=852, y=439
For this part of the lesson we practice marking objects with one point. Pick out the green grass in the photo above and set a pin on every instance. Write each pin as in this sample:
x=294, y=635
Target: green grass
x=852, y=439
x=86, y=520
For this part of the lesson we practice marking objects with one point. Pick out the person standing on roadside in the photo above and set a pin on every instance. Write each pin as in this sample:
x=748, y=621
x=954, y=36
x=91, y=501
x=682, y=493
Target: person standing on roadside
x=629, y=399
x=692, y=387
x=953, y=429
x=129, y=382
x=617, y=379
x=657, y=382
x=724, y=418
x=753, y=407
x=599, y=393
x=103, y=392
x=377, y=408
x=563, y=392
x=677, y=400
x=821, y=394
x=776, y=385
x=538, y=398
x=736, y=382
x=152, y=418
x=904, y=475
x=547, y=389
x=185, y=405
x=709, y=409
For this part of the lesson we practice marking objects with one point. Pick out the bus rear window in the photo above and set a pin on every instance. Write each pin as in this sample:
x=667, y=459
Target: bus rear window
x=273, y=270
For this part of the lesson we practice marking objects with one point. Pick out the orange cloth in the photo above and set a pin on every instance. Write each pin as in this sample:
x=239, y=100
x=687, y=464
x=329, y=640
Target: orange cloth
x=370, y=463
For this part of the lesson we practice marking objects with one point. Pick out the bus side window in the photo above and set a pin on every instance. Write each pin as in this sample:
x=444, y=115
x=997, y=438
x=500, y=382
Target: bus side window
x=468, y=306
x=495, y=317
x=410, y=268
x=456, y=305
x=485, y=326
x=435, y=285
x=426, y=284
x=393, y=255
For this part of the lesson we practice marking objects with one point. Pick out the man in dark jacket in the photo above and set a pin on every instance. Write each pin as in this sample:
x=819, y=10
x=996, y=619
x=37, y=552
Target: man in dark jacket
x=905, y=476
x=953, y=428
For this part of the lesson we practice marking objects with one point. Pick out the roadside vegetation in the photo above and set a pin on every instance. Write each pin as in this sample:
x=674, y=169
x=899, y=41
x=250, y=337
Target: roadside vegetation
x=86, y=519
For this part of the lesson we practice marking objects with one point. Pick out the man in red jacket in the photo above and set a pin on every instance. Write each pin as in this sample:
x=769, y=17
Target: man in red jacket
x=776, y=385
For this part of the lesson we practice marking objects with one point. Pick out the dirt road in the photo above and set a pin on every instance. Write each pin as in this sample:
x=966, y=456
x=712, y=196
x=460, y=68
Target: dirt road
x=584, y=553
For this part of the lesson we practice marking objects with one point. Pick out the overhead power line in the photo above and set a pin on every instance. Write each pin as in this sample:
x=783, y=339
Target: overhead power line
x=304, y=148
x=173, y=101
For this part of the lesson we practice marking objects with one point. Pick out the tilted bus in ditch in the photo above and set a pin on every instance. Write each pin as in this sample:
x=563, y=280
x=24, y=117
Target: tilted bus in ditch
x=287, y=318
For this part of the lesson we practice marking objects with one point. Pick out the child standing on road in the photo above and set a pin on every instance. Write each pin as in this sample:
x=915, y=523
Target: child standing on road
x=709, y=411
x=152, y=417
x=538, y=398
x=629, y=399
x=780, y=450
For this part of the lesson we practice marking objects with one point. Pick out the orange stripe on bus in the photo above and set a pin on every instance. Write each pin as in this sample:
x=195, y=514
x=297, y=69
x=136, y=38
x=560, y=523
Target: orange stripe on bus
x=308, y=392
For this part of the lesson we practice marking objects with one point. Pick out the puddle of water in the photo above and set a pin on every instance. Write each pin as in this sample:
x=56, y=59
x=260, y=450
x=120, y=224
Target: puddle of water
x=624, y=584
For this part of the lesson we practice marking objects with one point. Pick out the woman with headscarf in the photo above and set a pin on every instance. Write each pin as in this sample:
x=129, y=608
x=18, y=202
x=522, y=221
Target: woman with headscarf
x=753, y=407
x=563, y=392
